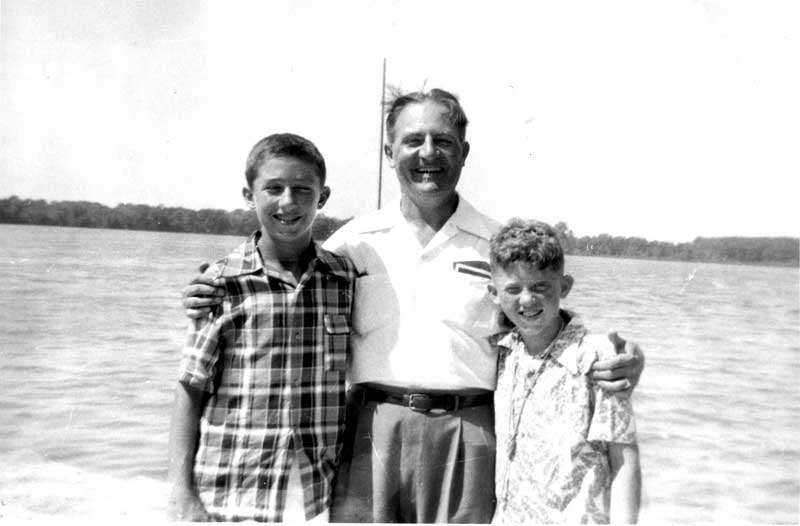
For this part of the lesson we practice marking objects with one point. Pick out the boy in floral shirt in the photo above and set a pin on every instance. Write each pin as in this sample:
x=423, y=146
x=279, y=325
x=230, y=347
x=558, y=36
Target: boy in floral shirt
x=566, y=450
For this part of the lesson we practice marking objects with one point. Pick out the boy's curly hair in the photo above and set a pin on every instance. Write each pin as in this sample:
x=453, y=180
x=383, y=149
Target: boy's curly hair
x=529, y=242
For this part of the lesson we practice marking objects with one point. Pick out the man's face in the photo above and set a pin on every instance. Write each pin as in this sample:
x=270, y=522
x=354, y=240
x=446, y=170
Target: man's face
x=530, y=297
x=426, y=153
x=286, y=195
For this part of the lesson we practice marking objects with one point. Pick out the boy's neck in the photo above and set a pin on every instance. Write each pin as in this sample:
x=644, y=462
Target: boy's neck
x=537, y=342
x=292, y=257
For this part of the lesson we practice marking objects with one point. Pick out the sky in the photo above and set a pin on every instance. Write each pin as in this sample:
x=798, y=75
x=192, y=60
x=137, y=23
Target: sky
x=666, y=120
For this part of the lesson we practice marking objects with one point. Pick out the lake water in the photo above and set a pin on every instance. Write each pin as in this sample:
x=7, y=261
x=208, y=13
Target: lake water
x=92, y=326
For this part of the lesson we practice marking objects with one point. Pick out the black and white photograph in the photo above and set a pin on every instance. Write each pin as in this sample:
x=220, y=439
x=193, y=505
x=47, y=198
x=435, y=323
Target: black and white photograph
x=400, y=261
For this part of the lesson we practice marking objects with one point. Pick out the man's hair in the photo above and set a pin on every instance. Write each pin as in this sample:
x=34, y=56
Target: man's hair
x=283, y=145
x=398, y=100
x=526, y=241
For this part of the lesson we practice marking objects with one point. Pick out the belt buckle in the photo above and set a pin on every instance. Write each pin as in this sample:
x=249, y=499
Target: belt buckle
x=420, y=403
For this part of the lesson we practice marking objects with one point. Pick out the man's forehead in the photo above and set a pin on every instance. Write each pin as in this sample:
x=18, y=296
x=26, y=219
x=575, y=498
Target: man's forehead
x=428, y=113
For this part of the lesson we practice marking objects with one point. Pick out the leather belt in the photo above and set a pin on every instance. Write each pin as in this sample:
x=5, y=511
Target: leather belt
x=422, y=402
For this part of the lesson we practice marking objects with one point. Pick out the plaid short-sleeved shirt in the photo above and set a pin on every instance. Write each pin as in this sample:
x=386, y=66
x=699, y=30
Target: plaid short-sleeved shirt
x=272, y=360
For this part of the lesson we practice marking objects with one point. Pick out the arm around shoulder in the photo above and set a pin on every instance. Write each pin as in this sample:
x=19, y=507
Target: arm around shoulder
x=619, y=373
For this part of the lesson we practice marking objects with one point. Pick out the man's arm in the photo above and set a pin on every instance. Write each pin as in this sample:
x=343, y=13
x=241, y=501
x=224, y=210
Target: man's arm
x=621, y=373
x=202, y=294
x=626, y=482
x=184, y=504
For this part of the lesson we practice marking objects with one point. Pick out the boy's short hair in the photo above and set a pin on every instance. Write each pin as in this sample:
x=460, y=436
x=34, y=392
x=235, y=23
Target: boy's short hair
x=283, y=145
x=529, y=242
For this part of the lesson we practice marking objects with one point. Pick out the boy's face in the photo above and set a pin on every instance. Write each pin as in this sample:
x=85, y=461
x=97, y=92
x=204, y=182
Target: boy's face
x=286, y=195
x=530, y=297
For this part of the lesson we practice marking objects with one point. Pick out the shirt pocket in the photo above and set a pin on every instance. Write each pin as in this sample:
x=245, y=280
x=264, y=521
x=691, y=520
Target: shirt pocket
x=336, y=341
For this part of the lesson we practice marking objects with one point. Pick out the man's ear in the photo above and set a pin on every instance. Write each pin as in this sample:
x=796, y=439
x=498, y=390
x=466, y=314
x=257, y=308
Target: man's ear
x=324, y=195
x=387, y=151
x=566, y=285
x=493, y=293
x=465, y=152
x=248, y=197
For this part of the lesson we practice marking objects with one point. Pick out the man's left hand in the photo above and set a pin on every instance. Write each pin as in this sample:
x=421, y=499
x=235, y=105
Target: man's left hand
x=621, y=373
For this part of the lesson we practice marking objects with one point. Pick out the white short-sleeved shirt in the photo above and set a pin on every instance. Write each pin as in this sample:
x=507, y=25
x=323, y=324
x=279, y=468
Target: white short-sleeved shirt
x=422, y=314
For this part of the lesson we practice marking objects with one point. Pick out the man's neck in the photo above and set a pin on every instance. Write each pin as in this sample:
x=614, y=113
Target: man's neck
x=427, y=219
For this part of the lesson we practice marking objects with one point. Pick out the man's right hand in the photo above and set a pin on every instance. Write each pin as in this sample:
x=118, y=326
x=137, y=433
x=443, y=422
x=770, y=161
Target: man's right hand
x=202, y=294
x=185, y=506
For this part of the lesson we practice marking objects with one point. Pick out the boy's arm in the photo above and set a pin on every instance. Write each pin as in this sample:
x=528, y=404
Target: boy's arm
x=626, y=482
x=184, y=504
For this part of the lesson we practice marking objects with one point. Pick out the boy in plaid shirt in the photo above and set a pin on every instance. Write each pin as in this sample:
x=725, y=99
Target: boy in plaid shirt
x=259, y=407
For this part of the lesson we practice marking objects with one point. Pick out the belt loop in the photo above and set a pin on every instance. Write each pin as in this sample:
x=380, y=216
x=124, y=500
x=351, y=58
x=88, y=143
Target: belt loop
x=456, y=405
x=361, y=395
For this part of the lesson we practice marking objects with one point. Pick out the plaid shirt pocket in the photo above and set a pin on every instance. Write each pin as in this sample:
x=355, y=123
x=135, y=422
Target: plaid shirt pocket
x=336, y=341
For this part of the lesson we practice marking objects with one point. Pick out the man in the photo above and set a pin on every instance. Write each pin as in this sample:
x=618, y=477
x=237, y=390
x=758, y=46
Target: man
x=420, y=430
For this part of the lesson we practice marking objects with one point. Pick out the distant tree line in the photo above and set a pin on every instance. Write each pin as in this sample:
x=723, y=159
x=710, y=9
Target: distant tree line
x=783, y=251
x=752, y=250
x=143, y=217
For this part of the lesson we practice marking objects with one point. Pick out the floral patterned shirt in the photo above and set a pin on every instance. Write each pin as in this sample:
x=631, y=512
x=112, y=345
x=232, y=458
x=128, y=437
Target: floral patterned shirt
x=552, y=440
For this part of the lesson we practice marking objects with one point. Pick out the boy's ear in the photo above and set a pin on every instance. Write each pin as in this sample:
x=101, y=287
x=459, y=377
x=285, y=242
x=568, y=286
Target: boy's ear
x=566, y=285
x=493, y=292
x=248, y=197
x=324, y=194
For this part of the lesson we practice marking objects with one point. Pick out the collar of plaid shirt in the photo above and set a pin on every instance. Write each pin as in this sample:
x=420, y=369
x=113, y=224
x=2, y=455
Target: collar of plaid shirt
x=246, y=260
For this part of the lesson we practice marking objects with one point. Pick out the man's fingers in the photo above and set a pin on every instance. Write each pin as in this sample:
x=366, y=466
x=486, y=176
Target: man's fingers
x=197, y=302
x=205, y=279
x=621, y=388
x=619, y=343
x=197, y=313
x=620, y=361
x=202, y=289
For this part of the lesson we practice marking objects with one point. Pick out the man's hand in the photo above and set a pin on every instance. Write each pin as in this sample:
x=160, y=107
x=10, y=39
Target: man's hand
x=185, y=506
x=621, y=373
x=202, y=294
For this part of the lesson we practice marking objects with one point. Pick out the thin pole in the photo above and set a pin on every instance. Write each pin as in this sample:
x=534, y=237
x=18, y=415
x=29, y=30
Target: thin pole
x=380, y=146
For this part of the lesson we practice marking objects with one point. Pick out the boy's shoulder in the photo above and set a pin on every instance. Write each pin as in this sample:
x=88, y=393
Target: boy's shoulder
x=577, y=347
x=243, y=259
x=338, y=265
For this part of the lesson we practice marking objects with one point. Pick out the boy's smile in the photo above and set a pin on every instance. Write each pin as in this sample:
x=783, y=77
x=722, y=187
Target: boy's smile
x=530, y=297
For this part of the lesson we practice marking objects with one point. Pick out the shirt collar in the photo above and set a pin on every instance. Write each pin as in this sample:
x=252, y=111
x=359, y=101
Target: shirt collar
x=245, y=259
x=466, y=218
x=564, y=349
